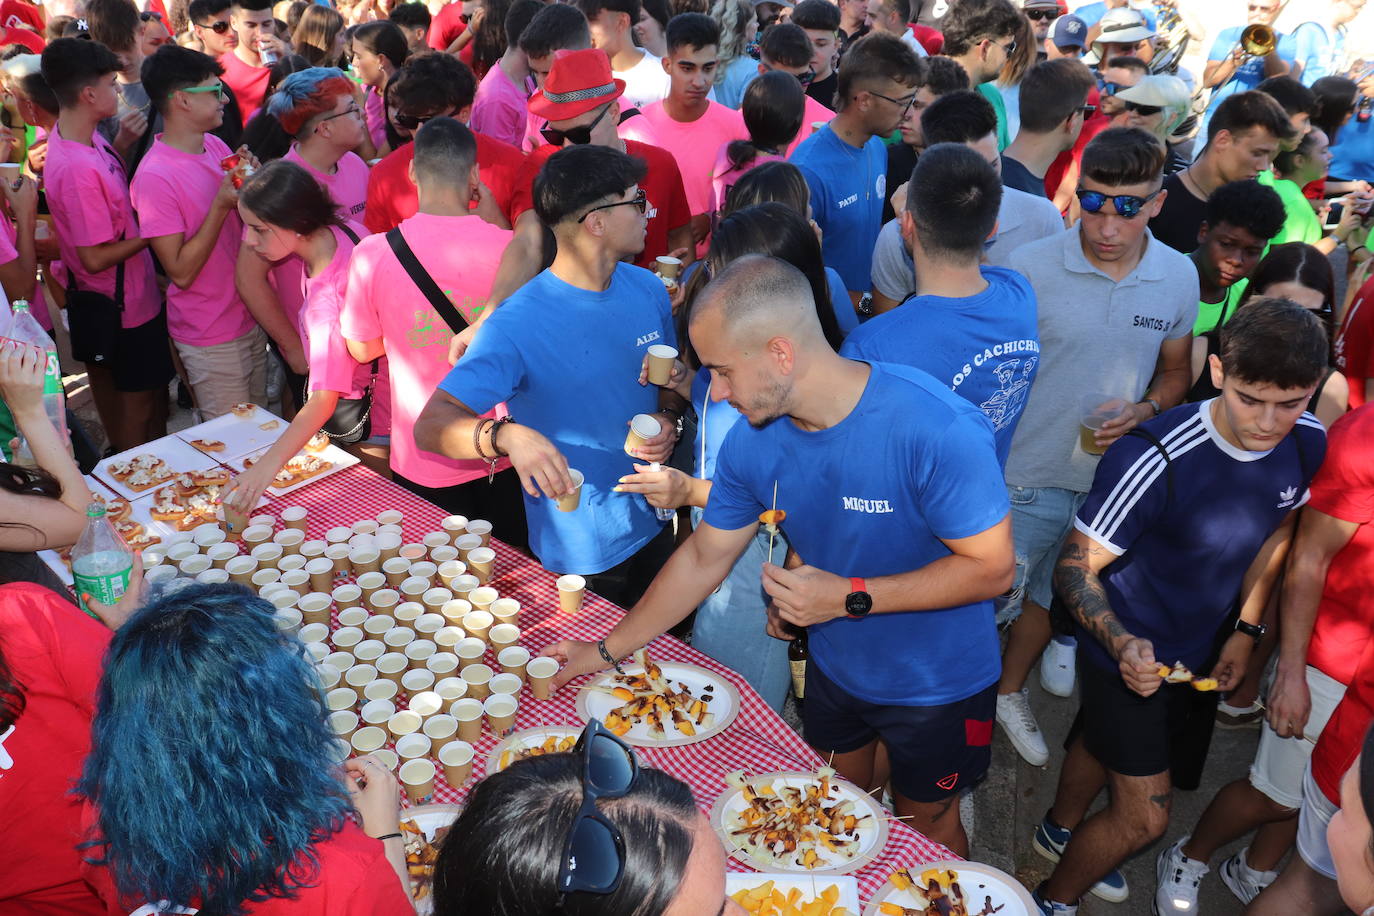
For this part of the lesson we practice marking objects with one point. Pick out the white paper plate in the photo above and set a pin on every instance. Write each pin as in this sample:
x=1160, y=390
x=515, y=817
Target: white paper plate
x=593, y=704
x=530, y=737
x=179, y=456
x=430, y=818
x=872, y=832
x=240, y=435
x=339, y=458
x=811, y=886
x=980, y=884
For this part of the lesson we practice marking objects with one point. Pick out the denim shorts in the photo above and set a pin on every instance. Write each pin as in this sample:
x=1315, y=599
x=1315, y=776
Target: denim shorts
x=1041, y=517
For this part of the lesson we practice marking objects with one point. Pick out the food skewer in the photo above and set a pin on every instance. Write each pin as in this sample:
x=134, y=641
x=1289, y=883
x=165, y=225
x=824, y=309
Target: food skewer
x=1179, y=674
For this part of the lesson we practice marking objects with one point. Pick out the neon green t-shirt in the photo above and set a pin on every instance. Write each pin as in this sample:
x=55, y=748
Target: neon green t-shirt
x=1302, y=224
x=1214, y=314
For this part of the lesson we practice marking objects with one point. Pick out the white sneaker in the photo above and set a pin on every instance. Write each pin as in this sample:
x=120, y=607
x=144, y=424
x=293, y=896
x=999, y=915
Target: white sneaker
x=1178, y=880
x=1015, y=716
x=1242, y=880
x=1057, y=666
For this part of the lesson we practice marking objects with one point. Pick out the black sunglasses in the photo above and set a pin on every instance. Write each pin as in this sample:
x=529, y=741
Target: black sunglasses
x=219, y=26
x=806, y=79
x=1035, y=15
x=640, y=202
x=1144, y=111
x=408, y=122
x=594, y=855
x=1128, y=206
x=577, y=136
x=149, y=15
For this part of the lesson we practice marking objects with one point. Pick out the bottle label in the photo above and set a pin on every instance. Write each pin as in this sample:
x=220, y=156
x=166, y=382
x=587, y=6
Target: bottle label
x=52, y=375
x=798, y=667
x=107, y=589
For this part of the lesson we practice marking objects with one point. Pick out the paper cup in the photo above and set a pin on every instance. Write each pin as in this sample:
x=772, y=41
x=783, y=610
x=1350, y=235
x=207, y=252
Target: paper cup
x=503, y=636
x=338, y=751
x=451, y=688
x=377, y=712
x=454, y=526
x=346, y=596
x=340, y=661
x=436, y=539
x=295, y=579
x=288, y=620
x=220, y=554
x=163, y=574
x=194, y=566
x=571, y=590
x=508, y=684
x=365, y=559
x=313, y=550
x=369, y=650
x=267, y=554
x=500, y=710
x=417, y=778
x=414, y=586
x=343, y=723
x=416, y=681
x=478, y=623
x=450, y=570
x=407, y=612
x=426, y=703
x=466, y=544
x=390, y=517
x=178, y=552
x=213, y=576
x=479, y=680
x=329, y=676
x=514, y=660
x=424, y=569
x=440, y=728
x=346, y=638
x=396, y=570
x=480, y=561
x=283, y=598
x=428, y=624
x=387, y=758
x=669, y=267
x=377, y=625
x=403, y=723
x=254, y=535
x=338, y=535
x=364, y=526
x=469, y=650
x=442, y=664
x=482, y=597
x=412, y=746
x=414, y=552
x=445, y=554
x=505, y=610
x=463, y=585
x=290, y=539
x=397, y=638
x=352, y=617
x=321, y=573
x=418, y=652
x=482, y=528
x=359, y=676
x=315, y=608
x=370, y=583
x=642, y=428
x=341, y=698
x=294, y=516
x=381, y=689
x=338, y=555
x=314, y=632
x=392, y=665
x=468, y=711
x=294, y=563
x=388, y=529
x=456, y=759
x=272, y=589
x=448, y=636
x=540, y=672
x=367, y=739
x=434, y=600
x=661, y=359
x=265, y=518
x=388, y=546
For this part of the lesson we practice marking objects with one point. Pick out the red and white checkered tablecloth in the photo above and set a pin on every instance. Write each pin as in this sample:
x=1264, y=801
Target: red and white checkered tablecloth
x=758, y=740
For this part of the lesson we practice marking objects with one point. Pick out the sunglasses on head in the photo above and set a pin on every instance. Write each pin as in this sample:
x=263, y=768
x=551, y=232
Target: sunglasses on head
x=412, y=122
x=1127, y=206
x=149, y=16
x=804, y=78
x=640, y=202
x=577, y=136
x=594, y=854
x=1037, y=15
x=219, y=26
x=1144, y=111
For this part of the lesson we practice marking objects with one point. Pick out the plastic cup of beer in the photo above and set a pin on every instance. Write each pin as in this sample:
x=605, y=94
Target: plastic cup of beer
x=479, y=680
x=570, y=500
x=456, y=759
x=500, y=709
x=468, y=711
x=505, y=610
x=417, y=778
x=540, y=672
x=571, y=590
x=513, y=660
x=661, y=358
x=643, y=427
x=1096, y=410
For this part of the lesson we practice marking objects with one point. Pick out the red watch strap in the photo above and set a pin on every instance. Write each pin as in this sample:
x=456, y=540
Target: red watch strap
x=857, y=585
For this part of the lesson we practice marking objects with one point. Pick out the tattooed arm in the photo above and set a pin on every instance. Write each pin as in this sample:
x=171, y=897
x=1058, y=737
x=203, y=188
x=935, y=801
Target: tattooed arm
x=1076, y=580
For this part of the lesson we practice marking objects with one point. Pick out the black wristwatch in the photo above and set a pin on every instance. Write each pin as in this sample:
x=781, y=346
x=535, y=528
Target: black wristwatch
x=1255, y=631
x=859, y=602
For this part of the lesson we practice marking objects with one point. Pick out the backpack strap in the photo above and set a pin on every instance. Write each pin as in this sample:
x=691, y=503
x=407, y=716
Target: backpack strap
x=1151, y=438
x=421, y=278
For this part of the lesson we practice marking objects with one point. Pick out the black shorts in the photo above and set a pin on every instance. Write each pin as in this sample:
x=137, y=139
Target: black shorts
x=935, y=750
x=1127, y=733
x=142, y=357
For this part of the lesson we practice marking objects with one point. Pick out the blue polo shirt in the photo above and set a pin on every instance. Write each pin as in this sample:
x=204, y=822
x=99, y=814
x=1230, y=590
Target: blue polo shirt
x=848, y=186
x=1248, y=75
x=874, y=495
x=566, y=361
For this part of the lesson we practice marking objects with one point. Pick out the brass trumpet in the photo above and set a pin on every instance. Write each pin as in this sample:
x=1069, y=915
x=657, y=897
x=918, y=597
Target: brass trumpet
x=1258, y=40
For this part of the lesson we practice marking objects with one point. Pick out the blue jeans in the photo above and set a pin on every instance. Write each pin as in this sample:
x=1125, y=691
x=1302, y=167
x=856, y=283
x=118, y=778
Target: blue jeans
x=730, y=623
x=1041, y=518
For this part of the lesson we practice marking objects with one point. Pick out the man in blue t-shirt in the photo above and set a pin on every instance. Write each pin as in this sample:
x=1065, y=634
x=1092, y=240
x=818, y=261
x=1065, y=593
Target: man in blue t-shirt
x=972, y=327
x=1187, y=519
x=1230, y=69
x=845, y=162
x=1319, y=46
x=565, y=354
x=898, y=524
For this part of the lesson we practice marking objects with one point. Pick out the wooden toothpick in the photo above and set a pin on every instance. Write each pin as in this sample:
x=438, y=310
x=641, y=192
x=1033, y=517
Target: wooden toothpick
x=772, y=529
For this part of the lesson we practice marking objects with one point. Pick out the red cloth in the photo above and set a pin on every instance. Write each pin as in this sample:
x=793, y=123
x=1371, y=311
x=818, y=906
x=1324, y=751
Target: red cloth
x=1355, y=343
x=1344, y=489
x=933, y=40
x=446, y=26
x=17, y=14
x=54, y=653
x=392, y=196
x=1091, y=128
x=354, y=879
x=668, y=209
x=249, y=83
x=19, y=35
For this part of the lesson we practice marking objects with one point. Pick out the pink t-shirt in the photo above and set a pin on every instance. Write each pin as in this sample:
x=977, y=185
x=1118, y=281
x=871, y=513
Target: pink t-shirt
x=724, y=174
x=812, y=113
x=38, y=305
x=332, y=368
x=461, y=253
x=499, y=109
x=90, y=203
x=172, y=192
x=374, y=112
x=694, y=145
x=348, y=184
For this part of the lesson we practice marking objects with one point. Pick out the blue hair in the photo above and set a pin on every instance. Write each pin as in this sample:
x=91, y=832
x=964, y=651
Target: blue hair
x=299, y=86
x=210, y=717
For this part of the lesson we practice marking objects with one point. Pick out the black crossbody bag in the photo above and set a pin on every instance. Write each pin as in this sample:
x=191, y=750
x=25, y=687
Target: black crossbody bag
x=351, y=420
x=94, y=319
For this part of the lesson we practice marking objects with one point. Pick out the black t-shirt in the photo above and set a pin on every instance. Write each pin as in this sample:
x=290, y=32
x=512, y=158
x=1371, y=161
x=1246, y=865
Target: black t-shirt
x=1178, y=222
x=823, y=91
x=1015, y=175
x=901, y=159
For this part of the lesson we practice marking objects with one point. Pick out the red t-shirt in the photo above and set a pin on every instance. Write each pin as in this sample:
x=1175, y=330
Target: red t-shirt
x=17, y=14
x=1091, y=128
x=249, y=83
x=354, y=879
x=54, y=653
x=446, y=26
x=392, y=196
x=1355, y=343
x=1344, y=489
x=662, y=184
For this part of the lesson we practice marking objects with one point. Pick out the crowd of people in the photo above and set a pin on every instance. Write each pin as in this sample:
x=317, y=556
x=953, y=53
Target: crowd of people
x=1045, y=328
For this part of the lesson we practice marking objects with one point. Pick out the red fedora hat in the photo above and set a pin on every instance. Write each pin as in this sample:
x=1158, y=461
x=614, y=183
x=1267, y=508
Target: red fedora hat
x=578, y=82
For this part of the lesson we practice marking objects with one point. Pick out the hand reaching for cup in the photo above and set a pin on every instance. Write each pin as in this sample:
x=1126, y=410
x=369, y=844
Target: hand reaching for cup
x=577, y=657
x=667, y=488
x=375, y=794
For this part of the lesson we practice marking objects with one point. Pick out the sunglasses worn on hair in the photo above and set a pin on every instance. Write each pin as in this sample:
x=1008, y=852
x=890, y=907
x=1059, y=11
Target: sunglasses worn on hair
x=217, y=89
x=594, y=855
x=149, y=15
x=577, y=136
x=1127, y=206
x=1144, y=111
x=1034, y=15
x=806, y=79
x=219, y=26
x=639, y=201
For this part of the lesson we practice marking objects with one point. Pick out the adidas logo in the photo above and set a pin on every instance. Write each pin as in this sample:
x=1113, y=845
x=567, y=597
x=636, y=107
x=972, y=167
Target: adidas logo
x=1287, y=497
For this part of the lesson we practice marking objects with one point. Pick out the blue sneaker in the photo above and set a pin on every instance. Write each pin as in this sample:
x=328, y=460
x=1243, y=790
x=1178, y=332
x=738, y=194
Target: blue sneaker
x=1050, y=840
x=1049, y=907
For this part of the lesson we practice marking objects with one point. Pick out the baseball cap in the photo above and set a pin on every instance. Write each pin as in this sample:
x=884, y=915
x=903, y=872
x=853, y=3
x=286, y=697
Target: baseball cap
x=1039, y=4
x=1070, y=32
x=1123, y=25
x=1162, y=91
